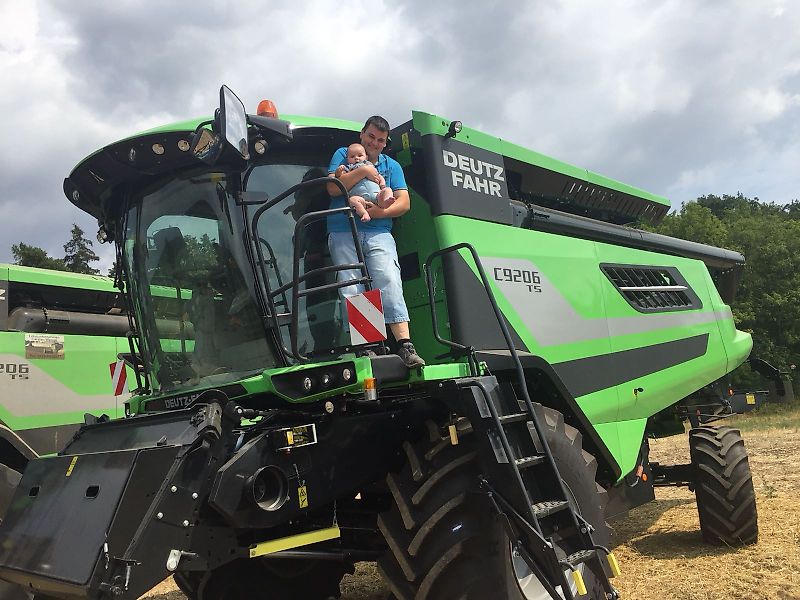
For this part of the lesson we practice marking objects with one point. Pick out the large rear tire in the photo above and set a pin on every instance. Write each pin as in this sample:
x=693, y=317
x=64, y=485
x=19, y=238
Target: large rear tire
x=444, y=540
x=726, y=500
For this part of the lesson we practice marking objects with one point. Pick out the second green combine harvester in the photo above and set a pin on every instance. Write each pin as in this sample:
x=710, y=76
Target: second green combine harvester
x=263, y=455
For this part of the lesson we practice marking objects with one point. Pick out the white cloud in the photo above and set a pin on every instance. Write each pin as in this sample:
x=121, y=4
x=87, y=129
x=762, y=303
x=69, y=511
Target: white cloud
x=680, y=98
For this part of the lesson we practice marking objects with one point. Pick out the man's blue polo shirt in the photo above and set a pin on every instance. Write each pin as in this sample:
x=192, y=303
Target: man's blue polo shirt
x=393, y=174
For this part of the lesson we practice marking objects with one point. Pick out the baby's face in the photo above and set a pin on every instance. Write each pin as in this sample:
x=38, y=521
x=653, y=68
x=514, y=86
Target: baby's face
x=356, y=153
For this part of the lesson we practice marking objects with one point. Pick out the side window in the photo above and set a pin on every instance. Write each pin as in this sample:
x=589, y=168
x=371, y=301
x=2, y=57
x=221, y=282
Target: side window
x=319, y=322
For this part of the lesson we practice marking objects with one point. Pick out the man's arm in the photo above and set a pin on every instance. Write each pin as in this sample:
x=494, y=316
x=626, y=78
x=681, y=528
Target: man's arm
x=399, y=207
x=350, y=178
x=396, y=180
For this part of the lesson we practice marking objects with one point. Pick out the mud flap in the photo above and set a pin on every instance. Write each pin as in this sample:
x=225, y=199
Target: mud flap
x=100, y=522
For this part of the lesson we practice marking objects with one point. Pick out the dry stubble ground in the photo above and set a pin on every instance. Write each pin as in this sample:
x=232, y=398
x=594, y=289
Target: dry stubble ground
x=659, y=546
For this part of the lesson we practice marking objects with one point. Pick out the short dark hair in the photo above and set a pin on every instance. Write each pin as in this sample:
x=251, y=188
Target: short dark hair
x=378, y=122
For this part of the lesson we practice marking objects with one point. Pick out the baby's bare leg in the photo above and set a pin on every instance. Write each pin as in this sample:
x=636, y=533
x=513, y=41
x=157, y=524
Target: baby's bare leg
x=385, y=198
x=360, y=206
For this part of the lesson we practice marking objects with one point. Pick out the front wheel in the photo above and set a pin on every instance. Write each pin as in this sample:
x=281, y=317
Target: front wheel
x=444, y=540
x=726, y=500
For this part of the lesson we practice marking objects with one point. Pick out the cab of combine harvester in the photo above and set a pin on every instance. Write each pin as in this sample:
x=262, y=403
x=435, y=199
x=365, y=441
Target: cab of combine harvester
x=212, y=246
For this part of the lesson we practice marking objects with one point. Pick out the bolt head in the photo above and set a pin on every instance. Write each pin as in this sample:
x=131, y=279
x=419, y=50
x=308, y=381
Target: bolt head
x=160, y=515
x=186, y=523
x=173, y=489
x=194, y=496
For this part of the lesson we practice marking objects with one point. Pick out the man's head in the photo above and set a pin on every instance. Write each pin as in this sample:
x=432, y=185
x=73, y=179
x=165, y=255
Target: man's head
x=356, y=153
x=374, y=136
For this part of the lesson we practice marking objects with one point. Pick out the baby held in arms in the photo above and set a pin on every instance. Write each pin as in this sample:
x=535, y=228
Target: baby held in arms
x=366, y=192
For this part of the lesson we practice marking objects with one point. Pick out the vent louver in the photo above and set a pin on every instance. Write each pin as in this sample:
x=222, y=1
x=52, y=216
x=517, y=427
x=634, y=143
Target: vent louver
x=652, y=289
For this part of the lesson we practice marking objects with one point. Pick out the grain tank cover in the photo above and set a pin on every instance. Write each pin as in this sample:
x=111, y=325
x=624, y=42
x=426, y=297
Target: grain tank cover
x=474, y=175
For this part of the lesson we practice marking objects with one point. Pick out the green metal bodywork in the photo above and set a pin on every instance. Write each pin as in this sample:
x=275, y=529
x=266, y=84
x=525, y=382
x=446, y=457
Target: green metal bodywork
x=54, y=394
x=427, y=124
x=600, y=321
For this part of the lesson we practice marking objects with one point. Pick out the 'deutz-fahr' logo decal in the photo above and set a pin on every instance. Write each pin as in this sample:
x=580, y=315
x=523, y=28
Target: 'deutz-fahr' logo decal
x=469, y=173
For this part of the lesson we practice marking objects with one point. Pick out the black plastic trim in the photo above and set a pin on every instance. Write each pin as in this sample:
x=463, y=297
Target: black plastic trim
x=561, y=223
x=594, y=373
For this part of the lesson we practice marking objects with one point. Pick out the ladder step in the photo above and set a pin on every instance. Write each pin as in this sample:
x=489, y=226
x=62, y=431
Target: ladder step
x=580, y=557
x=529, y=461
x=515, y=418
x=545, y=509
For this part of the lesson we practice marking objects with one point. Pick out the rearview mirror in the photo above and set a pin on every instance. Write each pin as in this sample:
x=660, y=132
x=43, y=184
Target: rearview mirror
x=233, y=120
x=229, y=125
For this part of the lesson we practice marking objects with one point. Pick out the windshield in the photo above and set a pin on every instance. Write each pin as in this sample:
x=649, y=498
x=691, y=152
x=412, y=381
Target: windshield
x=192, y=285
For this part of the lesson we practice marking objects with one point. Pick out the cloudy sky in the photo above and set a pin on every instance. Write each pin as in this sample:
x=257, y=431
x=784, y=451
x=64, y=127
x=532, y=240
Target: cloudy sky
x=680, y=98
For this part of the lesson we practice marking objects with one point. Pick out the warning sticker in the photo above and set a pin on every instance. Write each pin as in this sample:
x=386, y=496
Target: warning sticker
x=302, y=496
x=44, y=345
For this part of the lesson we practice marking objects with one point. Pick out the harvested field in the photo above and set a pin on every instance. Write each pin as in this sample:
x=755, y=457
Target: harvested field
x=659, y=545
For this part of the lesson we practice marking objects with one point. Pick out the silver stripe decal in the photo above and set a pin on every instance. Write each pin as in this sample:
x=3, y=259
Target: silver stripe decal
x=42, y=394
x=552, y=320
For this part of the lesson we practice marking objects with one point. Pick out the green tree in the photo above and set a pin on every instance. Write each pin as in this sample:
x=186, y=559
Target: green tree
x=112, y=272
x=696, y=223
x=33, y=256
x=78, y=253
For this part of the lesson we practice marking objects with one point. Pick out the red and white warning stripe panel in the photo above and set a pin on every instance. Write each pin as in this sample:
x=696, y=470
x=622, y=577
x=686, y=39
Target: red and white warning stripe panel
x=365, y=315
x=119, y=377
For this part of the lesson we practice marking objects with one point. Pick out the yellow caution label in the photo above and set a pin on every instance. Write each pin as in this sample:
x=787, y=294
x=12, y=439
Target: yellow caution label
x=302, y=496
x=750, y=398
x=613, y=564
x=453, y=435
x=406, y=143
x=289, y=437
x=71, y=465
x=580, y=586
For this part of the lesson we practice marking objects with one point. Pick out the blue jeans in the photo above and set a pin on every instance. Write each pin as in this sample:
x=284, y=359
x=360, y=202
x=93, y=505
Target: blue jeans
x=380, y=254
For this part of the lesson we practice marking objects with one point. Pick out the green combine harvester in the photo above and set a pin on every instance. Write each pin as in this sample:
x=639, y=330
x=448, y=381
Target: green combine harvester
x=262, y=454
x=58, y=334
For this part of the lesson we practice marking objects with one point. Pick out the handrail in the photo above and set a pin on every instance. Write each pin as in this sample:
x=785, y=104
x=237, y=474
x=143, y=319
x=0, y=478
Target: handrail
x=297, y=278
x=512, y=349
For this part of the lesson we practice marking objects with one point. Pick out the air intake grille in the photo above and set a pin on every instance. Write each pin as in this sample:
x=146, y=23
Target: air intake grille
x=652, y=289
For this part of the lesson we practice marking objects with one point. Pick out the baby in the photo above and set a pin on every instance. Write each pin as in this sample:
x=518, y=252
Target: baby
x=366, y=192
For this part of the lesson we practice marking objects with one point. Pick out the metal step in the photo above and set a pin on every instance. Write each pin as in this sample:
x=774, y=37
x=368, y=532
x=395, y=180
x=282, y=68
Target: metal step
x=484, y=396
x=529, y=461
x=581, y=556
x=545, y=509
x=515, y=418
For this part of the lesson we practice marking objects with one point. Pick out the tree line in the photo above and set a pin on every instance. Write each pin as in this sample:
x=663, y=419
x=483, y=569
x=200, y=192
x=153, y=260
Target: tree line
x=78, y=255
